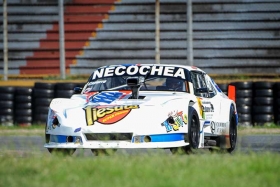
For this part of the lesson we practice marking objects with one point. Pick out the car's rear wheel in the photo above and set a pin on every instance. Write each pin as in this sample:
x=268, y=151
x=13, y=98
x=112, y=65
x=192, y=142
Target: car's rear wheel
x=232, y=132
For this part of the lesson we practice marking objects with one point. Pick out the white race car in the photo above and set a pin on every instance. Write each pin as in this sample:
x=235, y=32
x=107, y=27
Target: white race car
x=134, y=106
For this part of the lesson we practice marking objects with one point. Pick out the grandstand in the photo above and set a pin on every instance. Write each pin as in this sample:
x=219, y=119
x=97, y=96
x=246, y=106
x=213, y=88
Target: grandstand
x=230, y=36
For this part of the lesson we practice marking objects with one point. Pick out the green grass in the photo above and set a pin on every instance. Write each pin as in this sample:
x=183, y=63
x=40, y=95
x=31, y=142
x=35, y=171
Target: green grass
x=39, y=129
x=146, y=169
x=142, y=170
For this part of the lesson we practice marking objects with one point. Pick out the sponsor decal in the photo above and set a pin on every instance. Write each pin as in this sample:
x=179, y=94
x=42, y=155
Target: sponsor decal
x=205, y=108
x=174, y=121
x=107, y=114
x=201, y=111
x=106, y=97
x=134, y=70
x=218, y=127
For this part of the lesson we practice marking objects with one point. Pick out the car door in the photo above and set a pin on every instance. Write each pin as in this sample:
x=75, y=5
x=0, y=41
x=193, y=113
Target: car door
x=206, y=94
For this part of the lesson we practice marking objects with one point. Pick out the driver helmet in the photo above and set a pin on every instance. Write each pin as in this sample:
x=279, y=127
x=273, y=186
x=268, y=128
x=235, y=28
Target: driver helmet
x=173, y=83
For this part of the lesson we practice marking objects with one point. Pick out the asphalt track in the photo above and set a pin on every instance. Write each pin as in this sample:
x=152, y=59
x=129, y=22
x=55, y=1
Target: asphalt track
x=33, y=145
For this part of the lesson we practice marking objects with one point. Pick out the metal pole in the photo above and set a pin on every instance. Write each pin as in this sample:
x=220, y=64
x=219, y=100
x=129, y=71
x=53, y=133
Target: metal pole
x=189, y=33
x=61, y=40
x=5, y=40
x=157, y=22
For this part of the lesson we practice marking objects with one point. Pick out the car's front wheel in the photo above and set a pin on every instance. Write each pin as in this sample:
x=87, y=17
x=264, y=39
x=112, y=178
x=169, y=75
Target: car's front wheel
x=103, y=152
x=63, y=152
x=57, y=151
x=193, y=135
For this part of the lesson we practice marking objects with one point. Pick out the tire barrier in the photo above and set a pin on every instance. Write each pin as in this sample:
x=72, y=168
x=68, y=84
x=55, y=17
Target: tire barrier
x=43, y=93
x=223, y=87
x=66, y=90
x=257, y=102
x=7, y=105
x=277, y=103
x=263, y=103
x=23, y=106
x=244, y=93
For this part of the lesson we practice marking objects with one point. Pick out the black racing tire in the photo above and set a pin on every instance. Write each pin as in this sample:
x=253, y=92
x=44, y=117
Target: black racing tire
x=232, y=131
x=244, y=117
x=244, y=109
x=277, y=95
x=7, y=89
x=263, y=118
x=263, y=101
x=103, y=152
x=223, y=87
x=43, y=93
x=64, y=86
x=242, y=85
x=243, y=101
x=63, y=93
x=42, y=101
x=193, y=131
x=44, y=85
x=23, y=112
x=263, y=85
x=27, y=105
x=263, y=93
x=7, y=111
x=193, y=135
x=6, y=104
x=244, y=93
x=23, y=91
x=263, y=109
x=60, y=152
x=6, y=96
x=22, y=98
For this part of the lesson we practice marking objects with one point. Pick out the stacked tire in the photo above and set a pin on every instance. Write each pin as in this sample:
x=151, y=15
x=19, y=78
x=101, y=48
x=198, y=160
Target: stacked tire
x=7, y=105
x=244, y=94
x=43, y=93
x=277, y=103
x=23, y=106
x=64, y=90
x=263, y=103
x=223, y=87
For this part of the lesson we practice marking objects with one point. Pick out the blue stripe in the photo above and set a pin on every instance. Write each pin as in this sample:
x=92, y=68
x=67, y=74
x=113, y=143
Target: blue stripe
x=58, y=138
x=167, y=137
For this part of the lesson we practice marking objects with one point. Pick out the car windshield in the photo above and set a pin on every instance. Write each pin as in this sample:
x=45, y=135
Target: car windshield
x=119, y=83
x=114, y=79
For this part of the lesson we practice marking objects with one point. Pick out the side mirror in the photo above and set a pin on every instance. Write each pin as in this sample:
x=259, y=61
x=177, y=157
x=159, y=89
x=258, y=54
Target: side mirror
x=78, y=90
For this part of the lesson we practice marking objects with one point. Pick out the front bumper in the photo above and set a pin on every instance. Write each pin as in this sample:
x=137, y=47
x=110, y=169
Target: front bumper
x=137, y=141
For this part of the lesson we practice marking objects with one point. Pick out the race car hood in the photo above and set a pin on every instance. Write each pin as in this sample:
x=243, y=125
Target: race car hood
x=121, y=113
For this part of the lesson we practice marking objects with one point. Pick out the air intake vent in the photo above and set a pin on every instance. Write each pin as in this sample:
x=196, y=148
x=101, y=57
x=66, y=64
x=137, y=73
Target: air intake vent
x=109, y=136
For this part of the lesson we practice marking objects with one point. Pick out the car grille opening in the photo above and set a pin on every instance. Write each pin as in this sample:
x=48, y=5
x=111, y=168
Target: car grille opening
x=109, y=136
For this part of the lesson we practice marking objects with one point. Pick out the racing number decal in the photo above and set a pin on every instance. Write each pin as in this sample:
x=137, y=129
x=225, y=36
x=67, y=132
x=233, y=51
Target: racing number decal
x=107, y=115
